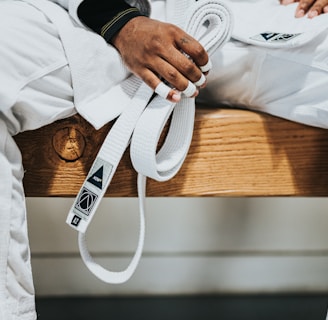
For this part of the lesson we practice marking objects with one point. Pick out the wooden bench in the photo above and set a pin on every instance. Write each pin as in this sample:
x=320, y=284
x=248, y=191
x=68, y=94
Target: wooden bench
x=233, y=153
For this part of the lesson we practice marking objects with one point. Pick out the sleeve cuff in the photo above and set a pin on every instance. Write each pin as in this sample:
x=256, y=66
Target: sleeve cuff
x=109, y=30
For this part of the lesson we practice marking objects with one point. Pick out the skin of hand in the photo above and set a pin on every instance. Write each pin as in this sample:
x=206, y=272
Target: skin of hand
x=155, y=50
x=312, y=8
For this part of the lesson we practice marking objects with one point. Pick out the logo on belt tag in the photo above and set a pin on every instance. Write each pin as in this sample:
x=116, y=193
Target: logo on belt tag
x=86, y=201
x=275, y=37
x=76, y=221
x=91, y=190
x=97, y=178
x=100, y=173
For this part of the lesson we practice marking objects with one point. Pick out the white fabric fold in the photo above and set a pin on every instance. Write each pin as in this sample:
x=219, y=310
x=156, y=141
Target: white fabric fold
x=271, y=25
x=142, y=122
x=89, y=58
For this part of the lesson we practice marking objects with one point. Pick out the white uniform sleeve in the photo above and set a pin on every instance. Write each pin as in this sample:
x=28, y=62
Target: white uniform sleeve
x=72, y=5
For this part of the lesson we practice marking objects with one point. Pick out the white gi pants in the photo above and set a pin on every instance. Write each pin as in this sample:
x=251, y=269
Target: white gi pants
x=34, y=67
x=289, y=83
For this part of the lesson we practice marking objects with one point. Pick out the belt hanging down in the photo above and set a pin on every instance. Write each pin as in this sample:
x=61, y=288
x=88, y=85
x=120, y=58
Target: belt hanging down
x=141, y=125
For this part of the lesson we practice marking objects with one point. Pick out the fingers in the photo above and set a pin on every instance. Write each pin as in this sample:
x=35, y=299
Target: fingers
x=206, y=67
x=166, y=58
x=163, y=87
x=303, y=8
x=177, y=68
x=201, y=81
x=179, y=73
x=287, y=2
x=165, y=92
x=192, y=48
x=319, y=7
x=189, y=58
x=186, y=64
x=311, y=8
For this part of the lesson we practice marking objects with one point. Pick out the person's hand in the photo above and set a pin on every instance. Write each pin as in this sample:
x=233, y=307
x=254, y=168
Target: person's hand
x=156, y=51
x=312, y=8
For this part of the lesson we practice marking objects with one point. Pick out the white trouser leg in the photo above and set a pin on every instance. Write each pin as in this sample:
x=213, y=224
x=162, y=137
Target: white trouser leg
x=16, y=285
x=39, y=92
x=42, y=101
x=35, y=90
x=289, y=83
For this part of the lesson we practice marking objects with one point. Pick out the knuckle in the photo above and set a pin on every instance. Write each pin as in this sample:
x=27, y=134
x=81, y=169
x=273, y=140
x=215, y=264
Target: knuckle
x=149, y=80
x=182, y=86
x=317, y=8
x=171, y=28
x=156, y=45
x=172, y=76
x=189, y=68
x=199, y=51
x=320, y=5
x=305, y=4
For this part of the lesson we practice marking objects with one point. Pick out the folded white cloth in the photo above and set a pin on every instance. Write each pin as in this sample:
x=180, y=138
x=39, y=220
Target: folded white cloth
x=211, y=23
x=269, y=24
x=97, y=70
x=208, y=21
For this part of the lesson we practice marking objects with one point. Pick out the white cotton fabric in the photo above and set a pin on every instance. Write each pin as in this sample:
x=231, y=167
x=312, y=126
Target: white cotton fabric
x=76, y=71
x=36, y=90
x=23, y=59
x=290, y=83
x=97, y=71
x=16, y=285
x=245, y=72
x=256, y=17
x=287, y=79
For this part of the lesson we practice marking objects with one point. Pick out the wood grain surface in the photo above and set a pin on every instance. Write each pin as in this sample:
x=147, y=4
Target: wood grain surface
x=233, y=153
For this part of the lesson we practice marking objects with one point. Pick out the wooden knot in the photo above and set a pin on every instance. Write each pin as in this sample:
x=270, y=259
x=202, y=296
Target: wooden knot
x=69, y=143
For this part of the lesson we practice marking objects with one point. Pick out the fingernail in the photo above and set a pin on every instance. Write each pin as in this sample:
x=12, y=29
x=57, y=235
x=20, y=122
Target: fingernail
x=312, y=14
x=196, y=94
x=204, y=85
x=176, y=97
x=286, y=2
x=300, y=13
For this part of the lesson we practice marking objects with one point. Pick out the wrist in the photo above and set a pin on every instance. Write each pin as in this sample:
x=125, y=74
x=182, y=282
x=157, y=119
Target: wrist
x=126, y=33
x=111, y=29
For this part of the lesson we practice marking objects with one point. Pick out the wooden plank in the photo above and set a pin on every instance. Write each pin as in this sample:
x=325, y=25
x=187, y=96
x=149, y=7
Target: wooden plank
x=233, y=153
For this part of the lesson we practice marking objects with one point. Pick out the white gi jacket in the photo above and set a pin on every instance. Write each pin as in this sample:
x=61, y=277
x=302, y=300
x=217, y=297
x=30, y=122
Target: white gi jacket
x=96, y=68
x=100, y=94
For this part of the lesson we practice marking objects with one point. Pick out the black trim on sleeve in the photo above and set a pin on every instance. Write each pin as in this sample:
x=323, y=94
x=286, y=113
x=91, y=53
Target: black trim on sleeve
x=106, y=17
x=117, y=23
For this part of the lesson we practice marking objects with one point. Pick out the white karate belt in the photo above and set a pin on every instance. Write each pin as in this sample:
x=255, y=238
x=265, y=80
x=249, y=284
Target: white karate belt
x=141, y=124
